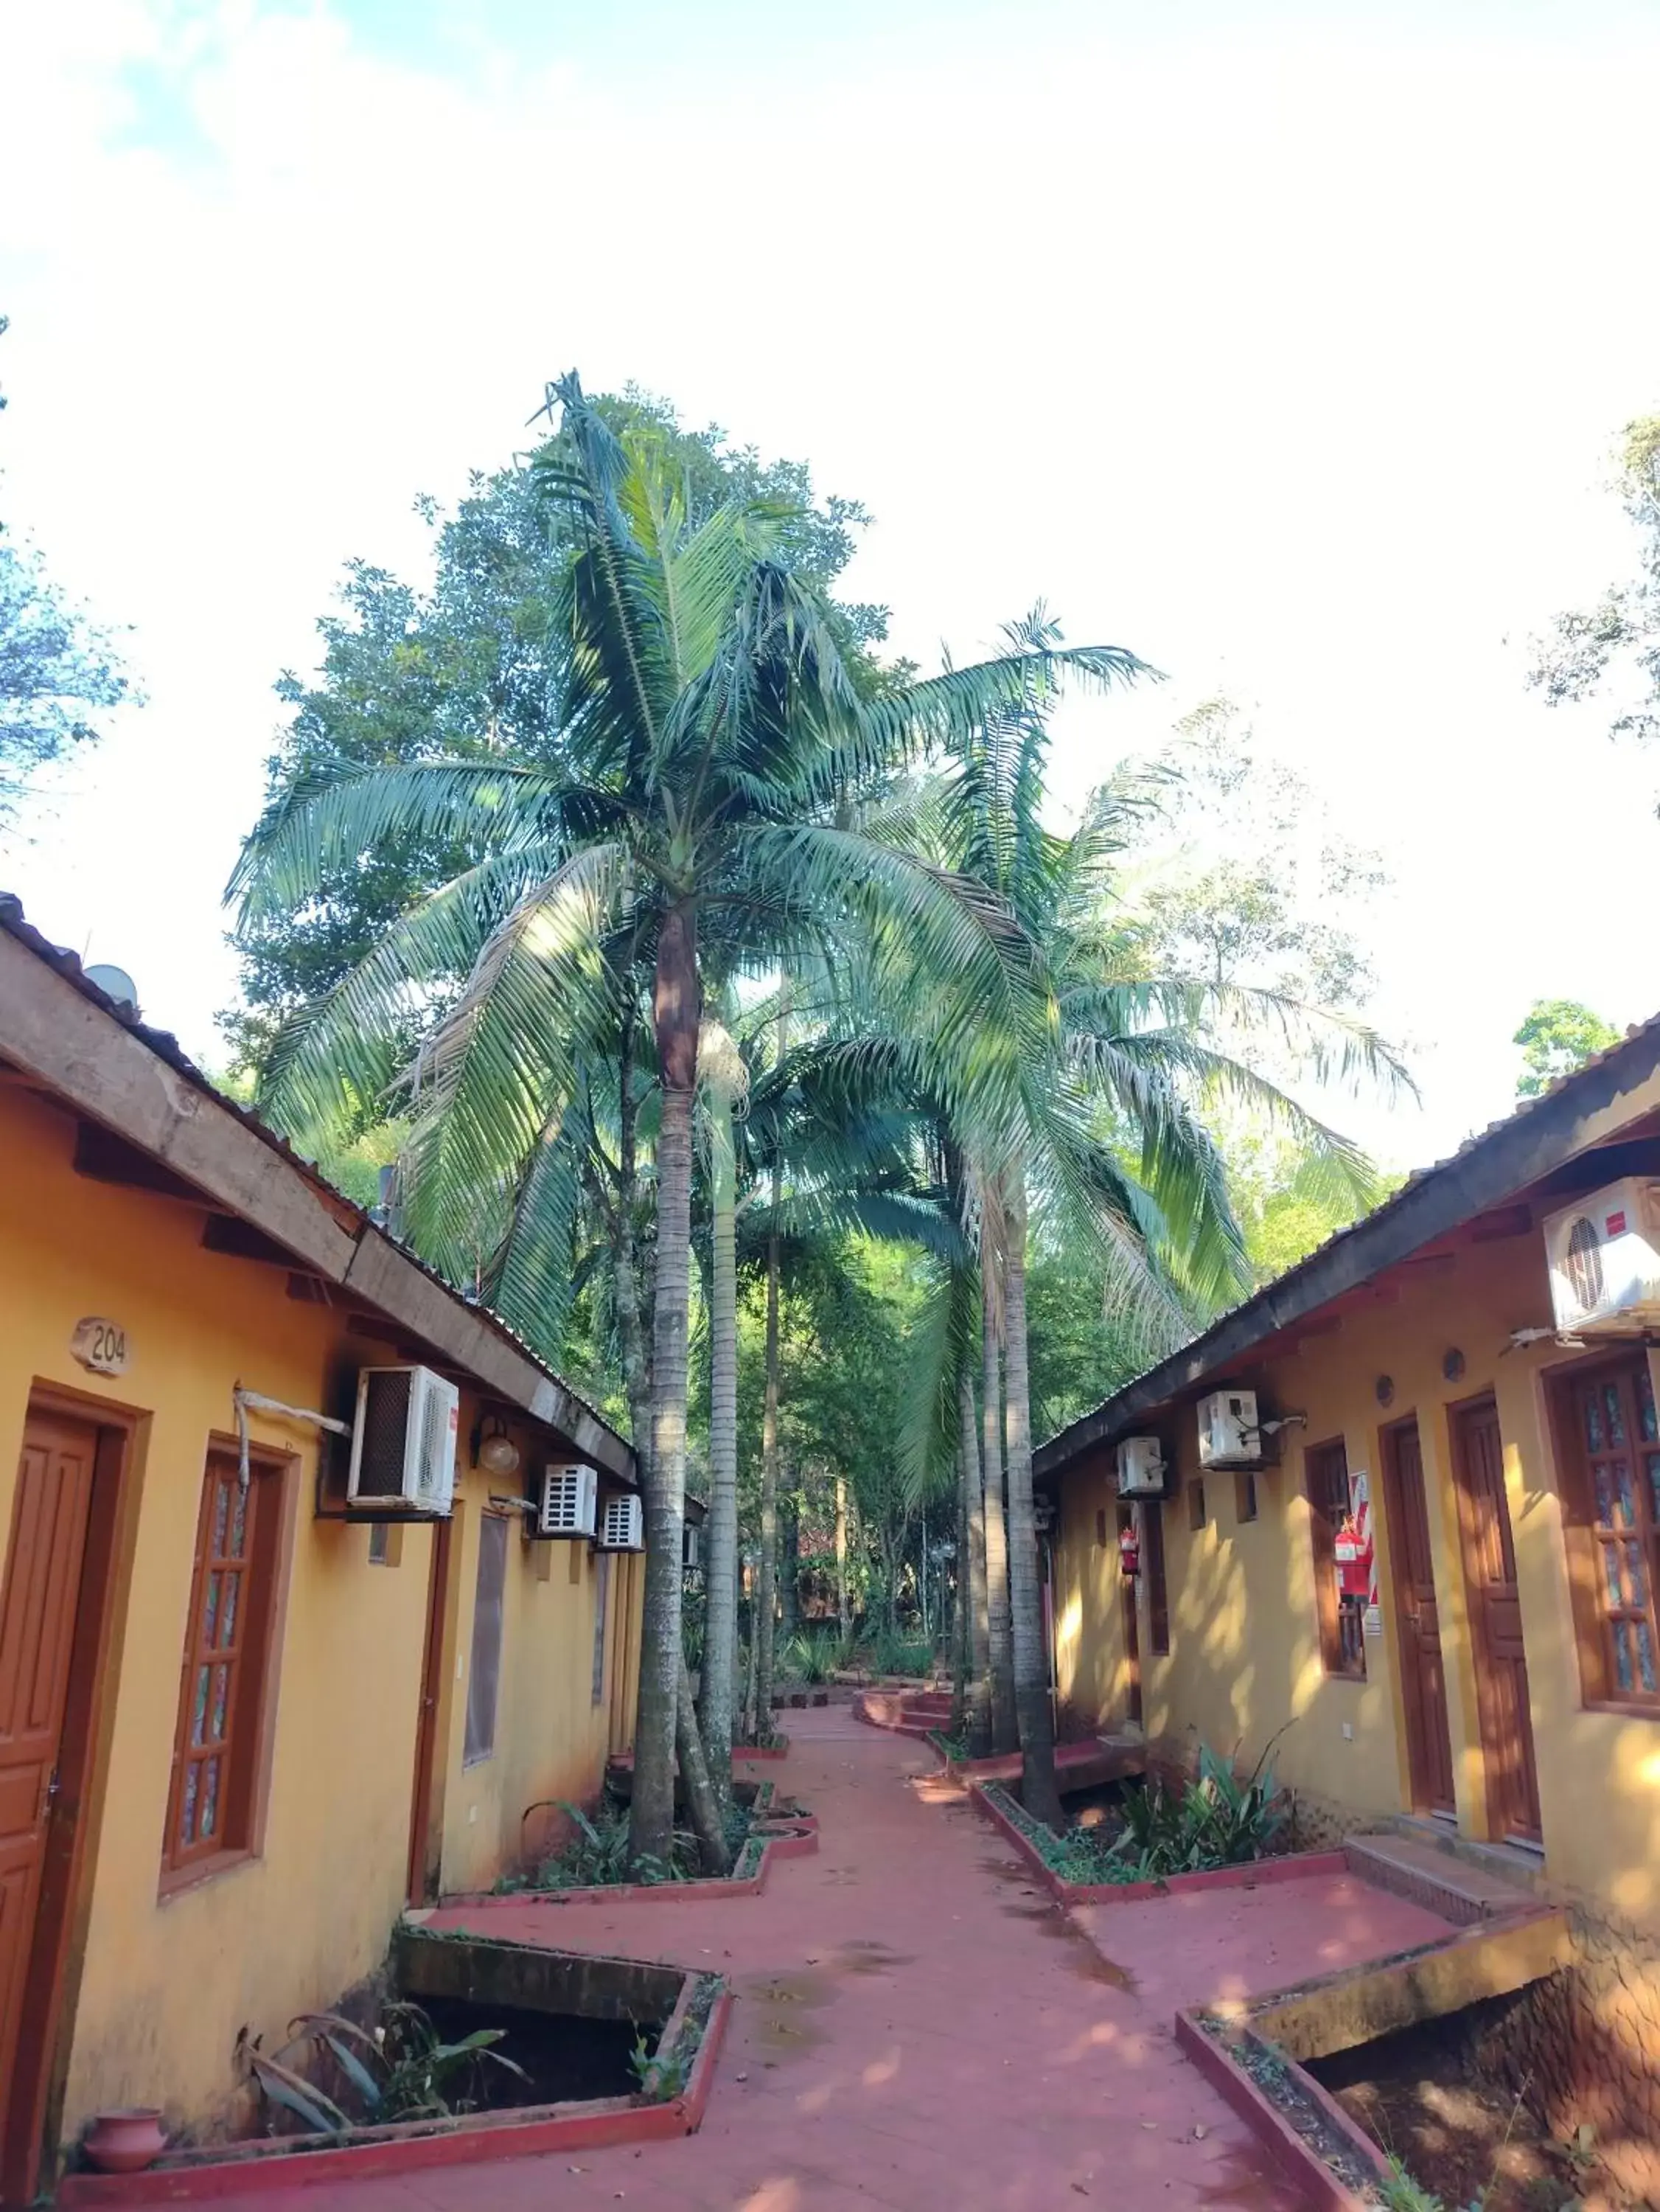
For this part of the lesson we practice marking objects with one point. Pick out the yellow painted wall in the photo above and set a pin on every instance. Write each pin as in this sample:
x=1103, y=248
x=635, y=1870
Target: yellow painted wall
x=1091, y=1672
x=1245, y=1656
x=167, y=1983
x=552, y=1738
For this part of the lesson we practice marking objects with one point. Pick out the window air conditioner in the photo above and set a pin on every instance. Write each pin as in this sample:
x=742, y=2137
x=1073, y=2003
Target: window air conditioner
x=569, y=1500
x=1229, y=1433
x=403, y=1440
x=1141, y=1467
x=1603, y=1255
x=621, y=1523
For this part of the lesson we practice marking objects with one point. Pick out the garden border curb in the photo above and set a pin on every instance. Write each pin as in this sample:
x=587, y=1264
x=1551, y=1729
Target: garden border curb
x=1252, y=1874
x=797, y=1838
x=411, y=2146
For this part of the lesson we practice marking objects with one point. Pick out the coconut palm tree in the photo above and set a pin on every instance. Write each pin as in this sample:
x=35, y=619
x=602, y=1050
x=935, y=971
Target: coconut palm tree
x=1137, y=1060
x=713, y=737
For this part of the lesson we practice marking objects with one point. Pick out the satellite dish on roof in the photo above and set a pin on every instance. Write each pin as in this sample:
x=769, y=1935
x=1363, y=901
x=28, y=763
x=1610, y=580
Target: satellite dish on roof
x=115, y=983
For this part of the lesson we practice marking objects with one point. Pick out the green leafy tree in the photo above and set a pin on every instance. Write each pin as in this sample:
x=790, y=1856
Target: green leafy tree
x=1617, y=641
x=716, y=726
x=1558, y=1036
x=59, y=675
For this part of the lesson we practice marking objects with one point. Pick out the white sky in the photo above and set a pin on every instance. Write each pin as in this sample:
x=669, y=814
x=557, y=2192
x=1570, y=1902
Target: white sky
x=1284, y=344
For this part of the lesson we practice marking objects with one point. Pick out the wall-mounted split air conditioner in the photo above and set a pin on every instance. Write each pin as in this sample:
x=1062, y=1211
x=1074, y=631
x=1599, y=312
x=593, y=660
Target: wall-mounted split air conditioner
x=1603, y=1255
x=404, y=1441
x=622, y=1523
x=569, y=1502
x=1141, y=1467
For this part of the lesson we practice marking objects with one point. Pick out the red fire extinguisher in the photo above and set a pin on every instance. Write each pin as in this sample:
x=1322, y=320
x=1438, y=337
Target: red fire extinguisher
x=1130, y=1550
x=1354, y=1559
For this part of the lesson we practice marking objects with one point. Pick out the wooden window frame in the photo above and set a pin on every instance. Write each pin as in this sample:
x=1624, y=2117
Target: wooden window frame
x=1589, y=1541
x=1158, y=1589
x=492, y=1529
x=246, y=1747
x=1343, y=1637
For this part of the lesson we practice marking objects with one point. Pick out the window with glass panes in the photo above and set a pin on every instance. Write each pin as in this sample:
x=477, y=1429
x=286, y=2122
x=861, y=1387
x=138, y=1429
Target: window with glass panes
x=1614, y=1511
x=221, y=1691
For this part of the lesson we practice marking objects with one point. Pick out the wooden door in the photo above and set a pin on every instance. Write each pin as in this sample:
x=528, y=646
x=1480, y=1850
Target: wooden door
x=1423, y=1683
x=1132, y=1634
x=1501, y=1666
x=37, y=1641
x=431, y=1686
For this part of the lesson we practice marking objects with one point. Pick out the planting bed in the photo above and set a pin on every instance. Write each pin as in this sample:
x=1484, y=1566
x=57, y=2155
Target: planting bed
x=778, y=1830
x=1038, y=1847
x=552, y=2003
x=1420, y=2093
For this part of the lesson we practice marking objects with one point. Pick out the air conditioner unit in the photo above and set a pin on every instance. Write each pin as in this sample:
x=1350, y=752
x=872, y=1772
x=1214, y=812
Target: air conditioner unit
x=403, y=1440
x=1229, y=1433
x=622, y=1524
x=1141, y=1467
x=691, y=1547
x=569, y=1501
x=1603, y=1253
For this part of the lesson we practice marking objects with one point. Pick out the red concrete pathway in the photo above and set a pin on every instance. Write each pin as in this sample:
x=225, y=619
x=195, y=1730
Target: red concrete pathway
x=919, y=2029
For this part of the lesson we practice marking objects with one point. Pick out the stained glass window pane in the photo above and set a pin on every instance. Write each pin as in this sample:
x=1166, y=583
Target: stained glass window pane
x=187, y=1818
x=220, y=1689
x=210, y=1609
x=1646, y=1656
x=1622, y=1666
x=1604, y=1496
x=1636, y=1581
x=1615, y=1414
x=1645, y=1416
x=199, y=1711
x=1611, y=1569
x=233, y=1584
x=239, y=1524
x=221, y=1507
x=210, y=1796
x=1625, y=1511
x=1651, y=1465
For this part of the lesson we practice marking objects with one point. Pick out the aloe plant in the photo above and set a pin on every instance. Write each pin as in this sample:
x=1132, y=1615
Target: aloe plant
x=401, y=2069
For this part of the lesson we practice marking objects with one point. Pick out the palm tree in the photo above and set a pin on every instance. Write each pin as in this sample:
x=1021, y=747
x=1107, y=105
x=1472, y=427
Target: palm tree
x=725, y=1081
x=714, y=738
x=1135, y=1059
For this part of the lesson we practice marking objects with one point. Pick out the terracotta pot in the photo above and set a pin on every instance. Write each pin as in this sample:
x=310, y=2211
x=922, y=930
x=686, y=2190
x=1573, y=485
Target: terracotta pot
x=124, y=2142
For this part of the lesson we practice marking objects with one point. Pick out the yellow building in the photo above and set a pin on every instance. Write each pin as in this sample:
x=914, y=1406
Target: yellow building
x=242, y=1723
x=1437, y=1591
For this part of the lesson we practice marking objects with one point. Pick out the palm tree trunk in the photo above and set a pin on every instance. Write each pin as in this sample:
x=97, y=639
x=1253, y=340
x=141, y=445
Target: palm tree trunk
x=1005, y=1732
x=790, y=1562
x=674, y=1019
x=761, y=1632
x=1039, y=1794
x=720, y=1569
x=843, y=1609
x=702, y=1798
x=971, y=1582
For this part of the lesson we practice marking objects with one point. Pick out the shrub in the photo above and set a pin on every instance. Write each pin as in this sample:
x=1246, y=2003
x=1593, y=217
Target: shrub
x=401, y=2069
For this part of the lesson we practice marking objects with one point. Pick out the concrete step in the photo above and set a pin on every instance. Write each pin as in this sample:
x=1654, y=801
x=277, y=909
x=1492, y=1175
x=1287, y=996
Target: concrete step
x=1433, y=1875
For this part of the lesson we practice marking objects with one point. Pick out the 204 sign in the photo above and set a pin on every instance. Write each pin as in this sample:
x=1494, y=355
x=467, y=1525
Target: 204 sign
x=101, y=1344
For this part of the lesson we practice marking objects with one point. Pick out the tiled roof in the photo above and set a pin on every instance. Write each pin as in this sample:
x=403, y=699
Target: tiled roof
x=167, y=1048
x=1269, y=1304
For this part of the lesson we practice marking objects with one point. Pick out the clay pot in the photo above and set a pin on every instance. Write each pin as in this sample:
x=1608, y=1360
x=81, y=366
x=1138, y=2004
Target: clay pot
x=124, y=2142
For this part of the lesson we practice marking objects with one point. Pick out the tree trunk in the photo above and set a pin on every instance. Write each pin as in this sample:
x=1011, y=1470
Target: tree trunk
x=703, y=1804
x=1033, y=1712
x=790, y=1577
x=674, y=1018
x=972, y=1584
x=1005, y=1733
x=843, y=1609
x=762, y=1633
x=720, y=1567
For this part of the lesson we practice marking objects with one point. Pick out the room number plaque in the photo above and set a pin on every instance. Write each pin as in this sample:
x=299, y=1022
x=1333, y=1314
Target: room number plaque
x=100, y=1344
